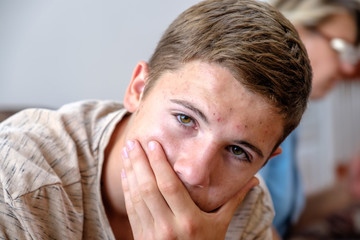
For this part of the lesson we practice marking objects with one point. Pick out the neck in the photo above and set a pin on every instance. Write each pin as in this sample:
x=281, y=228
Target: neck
x=120, y=226
x=111, y=190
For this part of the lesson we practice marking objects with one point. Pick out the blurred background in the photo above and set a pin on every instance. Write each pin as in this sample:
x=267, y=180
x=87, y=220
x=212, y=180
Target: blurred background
x=55, y=52
x=330, y=136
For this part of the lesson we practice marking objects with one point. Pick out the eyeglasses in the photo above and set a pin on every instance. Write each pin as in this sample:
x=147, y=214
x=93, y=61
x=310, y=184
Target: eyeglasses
x=347, y=52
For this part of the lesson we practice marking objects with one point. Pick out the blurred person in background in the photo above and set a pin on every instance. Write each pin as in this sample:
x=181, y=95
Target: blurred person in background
x=330, y=32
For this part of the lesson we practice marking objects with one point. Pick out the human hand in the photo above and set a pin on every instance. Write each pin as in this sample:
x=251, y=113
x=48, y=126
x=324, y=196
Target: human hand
x=158, y=204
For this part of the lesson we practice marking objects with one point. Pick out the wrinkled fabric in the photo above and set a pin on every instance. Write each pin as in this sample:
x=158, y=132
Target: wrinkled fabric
x=50, y=172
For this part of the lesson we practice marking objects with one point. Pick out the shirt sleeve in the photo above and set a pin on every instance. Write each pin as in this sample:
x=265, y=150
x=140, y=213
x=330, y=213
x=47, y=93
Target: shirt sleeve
x=35, y=200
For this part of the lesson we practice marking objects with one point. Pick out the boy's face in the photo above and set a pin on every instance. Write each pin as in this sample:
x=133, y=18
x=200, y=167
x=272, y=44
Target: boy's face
x=216, y=134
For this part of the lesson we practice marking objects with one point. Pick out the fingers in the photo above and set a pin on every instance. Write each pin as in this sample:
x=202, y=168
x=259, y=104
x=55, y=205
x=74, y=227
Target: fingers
x=170, y=186
x=254, y=181
x=132, y=215
x=145, y=196
x=138, y=213
x=158, y=203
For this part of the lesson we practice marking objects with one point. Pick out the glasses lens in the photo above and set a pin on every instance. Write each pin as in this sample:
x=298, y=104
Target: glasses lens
x=347, y=52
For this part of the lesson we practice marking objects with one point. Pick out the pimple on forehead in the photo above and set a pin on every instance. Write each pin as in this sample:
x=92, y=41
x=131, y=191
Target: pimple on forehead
x=241, y=127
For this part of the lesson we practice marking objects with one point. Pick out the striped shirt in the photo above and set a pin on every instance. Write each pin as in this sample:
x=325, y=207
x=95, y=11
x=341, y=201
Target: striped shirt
x=50, y=171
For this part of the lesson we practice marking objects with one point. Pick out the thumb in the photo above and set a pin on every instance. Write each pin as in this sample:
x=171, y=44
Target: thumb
x=229, y=208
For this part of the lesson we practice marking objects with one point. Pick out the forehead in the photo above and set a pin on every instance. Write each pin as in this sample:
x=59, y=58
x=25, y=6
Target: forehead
x=340, y=25
x=229, y=107
x=210, y=81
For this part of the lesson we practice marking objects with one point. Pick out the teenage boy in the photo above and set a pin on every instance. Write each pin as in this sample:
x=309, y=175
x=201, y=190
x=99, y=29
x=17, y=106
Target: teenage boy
x=228, y=81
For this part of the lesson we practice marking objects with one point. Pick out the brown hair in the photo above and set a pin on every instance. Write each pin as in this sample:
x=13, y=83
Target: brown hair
x=252, y=40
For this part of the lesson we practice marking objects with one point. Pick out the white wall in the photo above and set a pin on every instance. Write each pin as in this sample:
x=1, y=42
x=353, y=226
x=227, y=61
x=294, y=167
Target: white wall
x=56, y=51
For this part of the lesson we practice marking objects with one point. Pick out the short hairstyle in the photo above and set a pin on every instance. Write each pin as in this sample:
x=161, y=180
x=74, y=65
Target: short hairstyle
x=311, y=13
x=254, y=41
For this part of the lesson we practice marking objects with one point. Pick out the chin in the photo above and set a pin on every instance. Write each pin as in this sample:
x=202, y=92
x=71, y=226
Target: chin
x=208, y=207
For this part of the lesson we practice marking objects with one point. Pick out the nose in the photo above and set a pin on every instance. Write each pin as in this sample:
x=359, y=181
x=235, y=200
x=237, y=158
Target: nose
x=195, y=165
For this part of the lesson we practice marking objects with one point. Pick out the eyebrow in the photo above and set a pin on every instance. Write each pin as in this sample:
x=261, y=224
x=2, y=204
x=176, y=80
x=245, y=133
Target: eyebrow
x=252, y=147
x=198, y=112
x=191, y=107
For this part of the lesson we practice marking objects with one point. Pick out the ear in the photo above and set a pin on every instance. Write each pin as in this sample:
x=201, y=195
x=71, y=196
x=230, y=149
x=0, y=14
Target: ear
x=276, y=152
x=134, y=91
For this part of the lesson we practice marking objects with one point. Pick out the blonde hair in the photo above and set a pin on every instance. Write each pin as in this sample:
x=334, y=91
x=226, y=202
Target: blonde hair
x=311, y=13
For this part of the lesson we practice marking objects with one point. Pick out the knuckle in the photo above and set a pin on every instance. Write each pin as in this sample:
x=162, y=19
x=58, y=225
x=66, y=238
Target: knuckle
x=168, y=187
x=136, y=198
x=189, y=226
x=147, y=189
x=167, y=232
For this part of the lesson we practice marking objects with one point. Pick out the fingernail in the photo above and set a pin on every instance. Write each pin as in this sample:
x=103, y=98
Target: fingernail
x=123, y=173
x=125, y=153
x=151, y=145
x=130, y=145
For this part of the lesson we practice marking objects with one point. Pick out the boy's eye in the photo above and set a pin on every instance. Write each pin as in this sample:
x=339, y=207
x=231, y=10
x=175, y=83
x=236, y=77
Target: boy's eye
x=185, y=120
x=239, y=153
x=236, y=150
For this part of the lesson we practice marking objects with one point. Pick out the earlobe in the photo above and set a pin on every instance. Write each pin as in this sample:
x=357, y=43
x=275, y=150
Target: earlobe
x=134, y=91
x=278, y=151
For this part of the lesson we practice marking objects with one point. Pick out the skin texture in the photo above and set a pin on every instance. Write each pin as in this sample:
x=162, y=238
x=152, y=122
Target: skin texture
x=326, y=64
x=187, y=149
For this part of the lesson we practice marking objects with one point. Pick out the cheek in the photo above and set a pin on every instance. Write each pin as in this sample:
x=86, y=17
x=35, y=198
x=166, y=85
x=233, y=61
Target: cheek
x=325, y=67
x=228, y=189
x=146, y=126
x=324, y=60
x=170, y=141
x=162, y=132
